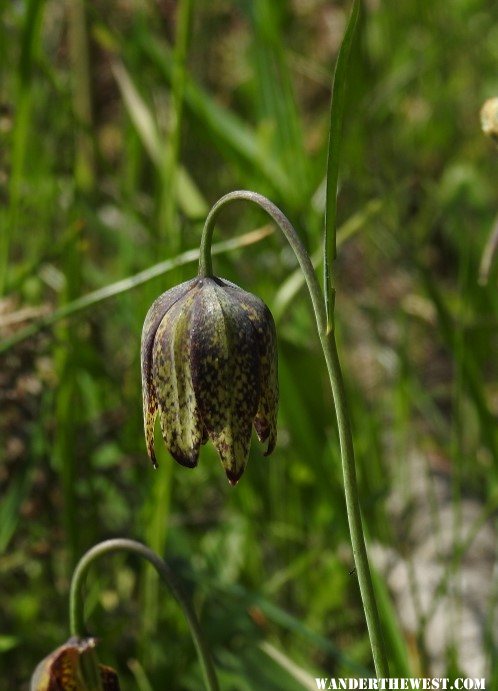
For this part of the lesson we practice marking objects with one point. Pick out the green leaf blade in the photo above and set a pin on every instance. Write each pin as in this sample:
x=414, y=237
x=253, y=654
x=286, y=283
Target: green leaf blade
x=333, y=157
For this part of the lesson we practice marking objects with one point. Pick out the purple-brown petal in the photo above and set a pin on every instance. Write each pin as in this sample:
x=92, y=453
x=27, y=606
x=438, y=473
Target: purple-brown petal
x=154, y=317
x=62, y=670
x=225, y=373
x=181, y=424
x=265, y=421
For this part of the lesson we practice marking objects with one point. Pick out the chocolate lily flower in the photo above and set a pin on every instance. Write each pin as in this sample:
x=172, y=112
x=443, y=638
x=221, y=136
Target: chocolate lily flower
x=65, y=669
x=209, y=370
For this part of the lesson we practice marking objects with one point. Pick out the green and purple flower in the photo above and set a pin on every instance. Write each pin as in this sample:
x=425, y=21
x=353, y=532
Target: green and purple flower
x=209, y=370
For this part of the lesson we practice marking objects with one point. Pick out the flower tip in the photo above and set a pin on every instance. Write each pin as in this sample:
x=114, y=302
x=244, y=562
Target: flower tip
x=187, y=459
x=234, y=476
x=269, y=449
x=265, y=432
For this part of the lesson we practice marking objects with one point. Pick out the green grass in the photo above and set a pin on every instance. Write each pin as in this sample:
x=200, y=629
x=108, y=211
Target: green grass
x=233, y=96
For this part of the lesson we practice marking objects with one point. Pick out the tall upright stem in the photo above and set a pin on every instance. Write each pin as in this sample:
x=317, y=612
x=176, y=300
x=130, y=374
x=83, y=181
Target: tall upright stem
x=76, y=613
x=329, y=347
x=360, y=555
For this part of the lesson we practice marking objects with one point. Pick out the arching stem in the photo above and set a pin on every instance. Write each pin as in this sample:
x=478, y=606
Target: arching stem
x=76, y=613
x=329, y=347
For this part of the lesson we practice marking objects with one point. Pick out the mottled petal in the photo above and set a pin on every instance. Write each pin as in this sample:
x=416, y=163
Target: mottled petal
x=62, y=669
x=181, y=425
x=59, y=670
x=261, y=318
x=154, y=316
x=225, y=373
x=265, y=421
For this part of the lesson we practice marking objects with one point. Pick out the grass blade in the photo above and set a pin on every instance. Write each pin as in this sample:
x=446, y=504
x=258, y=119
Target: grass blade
x=140, y=114
x=168, y=219
x=227, y=130
x=10, y=508
x=22, y=130
x=278, y=105
x=282, y=618
x=97, y=296
x=295, y=281
x=189, y=196
x=399, y=659
x=295, y=671
x=84, y=173
x=334, y=152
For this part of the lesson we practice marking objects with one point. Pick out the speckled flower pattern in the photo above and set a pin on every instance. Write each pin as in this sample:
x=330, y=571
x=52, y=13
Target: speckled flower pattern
x=61, y=670
x=209, y=371
x=154, y=317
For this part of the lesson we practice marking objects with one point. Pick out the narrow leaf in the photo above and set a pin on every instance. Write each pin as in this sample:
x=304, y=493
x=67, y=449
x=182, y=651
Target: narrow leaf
x=140, y=115
x=304, y=679
x=189, y=196
x=295, y=281
x=231, y=134
x=109, y=291
x=336, y=116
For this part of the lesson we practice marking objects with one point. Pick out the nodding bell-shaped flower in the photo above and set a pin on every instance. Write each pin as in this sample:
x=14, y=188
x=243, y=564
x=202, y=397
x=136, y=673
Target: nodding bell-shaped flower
x=73, y=666
x=209, y=370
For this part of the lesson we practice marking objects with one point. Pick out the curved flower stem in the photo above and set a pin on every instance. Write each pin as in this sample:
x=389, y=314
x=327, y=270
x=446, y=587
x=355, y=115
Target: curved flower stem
x=205, y=264
x=329, y=346
x=76, y=615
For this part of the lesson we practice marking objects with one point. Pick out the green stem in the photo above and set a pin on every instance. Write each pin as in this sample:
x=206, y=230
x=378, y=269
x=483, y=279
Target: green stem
x=205, y=263
x=76, y=612
x=329, y=347
x=360, y=555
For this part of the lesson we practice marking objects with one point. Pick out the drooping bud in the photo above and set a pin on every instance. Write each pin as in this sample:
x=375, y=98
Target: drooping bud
x=209, y=370
x=73, y=667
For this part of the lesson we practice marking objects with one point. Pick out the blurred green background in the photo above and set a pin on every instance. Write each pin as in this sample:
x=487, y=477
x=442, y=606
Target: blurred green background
x=120, y=124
